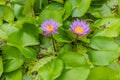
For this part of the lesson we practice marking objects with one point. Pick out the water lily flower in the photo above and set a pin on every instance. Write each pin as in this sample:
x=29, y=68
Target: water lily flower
x=80, y=27
x=50, y=26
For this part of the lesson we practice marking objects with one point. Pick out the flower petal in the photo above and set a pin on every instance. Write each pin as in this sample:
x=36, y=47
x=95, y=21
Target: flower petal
x=78, y=23
x=47, y=24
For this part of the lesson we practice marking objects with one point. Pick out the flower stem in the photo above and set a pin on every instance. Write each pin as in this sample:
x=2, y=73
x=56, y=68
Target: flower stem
x=75, y=42
x=90, y=20
x=53, y=42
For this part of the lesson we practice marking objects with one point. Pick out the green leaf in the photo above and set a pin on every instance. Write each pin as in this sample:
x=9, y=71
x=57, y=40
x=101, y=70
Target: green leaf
x=13, y=58
x=45, y=2
x=28, y=52
x=8, y=28
x=17, y=74
x=61, y=37
x=103, y=73
x=65, y=48
x=28, y=8
x=73, y=59
x=102, y=57
x=80, y=7
x=56, y=6
x=117, y=39
x=51, y=70
x=50, y=14
x=81, y=49
x=59, y=1
x=35, y=64
x=28, y=40
x=46, y=45
x=1, y=66
x=68, y=10
x=6, y=13
x=107, y=22
x=101, y=12
x=15, y=39
x=38, y=5
x=27, y=77
x=98, y=3
x=18, y=10
x=115, y=66
x=104, y=44
x=30, y=34
x=106, y=51
x=3, y=35
x=2, y=2
x=79, y=73
x=111, y=27
x=30, y=29
x=20, y=2
x=112, y=3
x=27, y=36
x=26, y=22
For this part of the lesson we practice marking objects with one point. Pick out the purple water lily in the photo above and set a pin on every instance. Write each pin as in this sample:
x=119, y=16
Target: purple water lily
x=80, y=27
x=50, y=27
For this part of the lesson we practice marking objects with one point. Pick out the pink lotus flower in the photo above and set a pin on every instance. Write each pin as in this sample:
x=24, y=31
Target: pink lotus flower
x=50, y=27
x=80, y=27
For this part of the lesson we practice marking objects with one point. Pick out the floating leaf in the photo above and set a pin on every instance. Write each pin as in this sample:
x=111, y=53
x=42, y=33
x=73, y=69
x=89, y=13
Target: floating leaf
x=98, y=3
x=28, y=8
x=106, y=51
x=50, y=14
x=59, y=1
x=8, y=28
x=103, y=73
x=80, y=7
x=2, y=2
x=68, y=10
x=17, y=74
x=27, y=36
x=35, y=64
x=28, y=40
x=79, y=73
x=73, y=59
x=46, y=45
x=3, y=35
x=56, y=6
x=28, y=52
x=20, y=2
x=112, y=3
x=101, y=12
x=115, y=66
x=6, y=13
x=51, y=70
x=111, y=27
x=18, y=10
x=13, y=58
x=65, y=48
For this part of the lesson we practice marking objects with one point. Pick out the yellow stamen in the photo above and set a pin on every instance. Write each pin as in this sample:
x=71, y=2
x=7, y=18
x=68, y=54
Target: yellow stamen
x=50, y=27
x=79, y=29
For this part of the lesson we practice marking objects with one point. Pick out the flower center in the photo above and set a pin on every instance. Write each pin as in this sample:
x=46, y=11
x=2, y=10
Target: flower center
x=79, y=29
x=50, y=27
